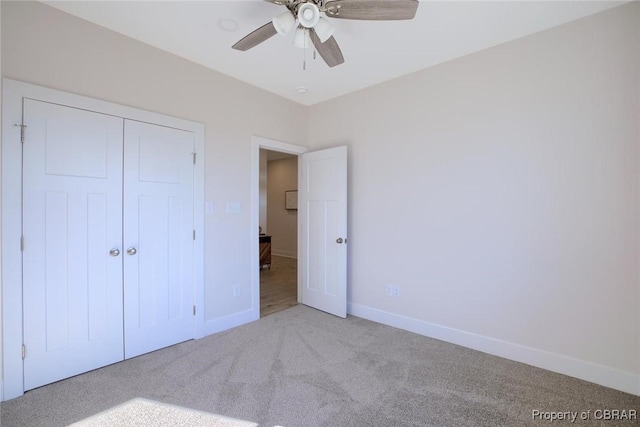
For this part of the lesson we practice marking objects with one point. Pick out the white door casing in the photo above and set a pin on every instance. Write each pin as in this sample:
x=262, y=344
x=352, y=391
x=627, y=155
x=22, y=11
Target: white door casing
x=158, y=237
x=322, y=216
x=257, y=143
x=72, y=217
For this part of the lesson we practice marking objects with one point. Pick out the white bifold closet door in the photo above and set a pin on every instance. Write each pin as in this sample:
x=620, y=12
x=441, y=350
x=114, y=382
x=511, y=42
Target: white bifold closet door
x=158, y=237
x=108, y=249
x=72, y=218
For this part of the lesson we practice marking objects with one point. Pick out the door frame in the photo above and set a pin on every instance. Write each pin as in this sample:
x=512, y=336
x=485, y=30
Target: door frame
x=258, y=142
x=13, y=93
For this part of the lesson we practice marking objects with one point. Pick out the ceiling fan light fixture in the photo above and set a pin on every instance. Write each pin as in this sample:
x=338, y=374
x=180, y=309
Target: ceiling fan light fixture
x=284, y=23
x=324, y=29
x=308, y=15
x=302, y=38
x=312, y=30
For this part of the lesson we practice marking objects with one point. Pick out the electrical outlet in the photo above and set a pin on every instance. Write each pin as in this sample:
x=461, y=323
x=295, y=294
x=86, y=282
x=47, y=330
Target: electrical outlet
x=391, y=290
x=236, y=291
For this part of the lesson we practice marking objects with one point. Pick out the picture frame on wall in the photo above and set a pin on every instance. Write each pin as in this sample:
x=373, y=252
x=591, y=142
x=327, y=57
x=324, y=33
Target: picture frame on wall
x=291, y=200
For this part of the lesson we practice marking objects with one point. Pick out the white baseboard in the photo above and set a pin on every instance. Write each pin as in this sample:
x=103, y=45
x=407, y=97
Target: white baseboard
x=286, y=254
x=231, y=321
x=588, y=371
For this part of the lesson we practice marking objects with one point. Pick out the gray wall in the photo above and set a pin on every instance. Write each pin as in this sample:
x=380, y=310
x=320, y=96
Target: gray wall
x=262, y=190
x=282, y=175
x=500, y=193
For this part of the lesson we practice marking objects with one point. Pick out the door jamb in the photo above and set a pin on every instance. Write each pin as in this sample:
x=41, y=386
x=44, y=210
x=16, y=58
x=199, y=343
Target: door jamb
x=13, y=93
x=258, y=142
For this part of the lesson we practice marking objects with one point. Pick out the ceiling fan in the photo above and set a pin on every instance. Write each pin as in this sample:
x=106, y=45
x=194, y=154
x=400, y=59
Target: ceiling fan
x=313, y=29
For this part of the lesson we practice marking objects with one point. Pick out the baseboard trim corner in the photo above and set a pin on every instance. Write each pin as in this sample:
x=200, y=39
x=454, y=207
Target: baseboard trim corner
x=227, y=322
x=285, y=254
x=588, y=371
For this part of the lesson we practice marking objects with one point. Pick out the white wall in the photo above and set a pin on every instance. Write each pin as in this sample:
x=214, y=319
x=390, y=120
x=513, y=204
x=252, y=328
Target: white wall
x=45, y=46
x=500, y=193
x=282, y=175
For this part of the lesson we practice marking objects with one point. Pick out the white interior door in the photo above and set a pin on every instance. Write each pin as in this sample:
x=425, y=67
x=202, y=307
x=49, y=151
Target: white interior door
x=72, y=218
x=158, y=237
x=323, y=209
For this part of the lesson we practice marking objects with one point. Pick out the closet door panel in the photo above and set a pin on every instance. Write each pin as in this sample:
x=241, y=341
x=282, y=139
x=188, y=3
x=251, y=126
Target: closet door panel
x=158, y=237
x=72, y=218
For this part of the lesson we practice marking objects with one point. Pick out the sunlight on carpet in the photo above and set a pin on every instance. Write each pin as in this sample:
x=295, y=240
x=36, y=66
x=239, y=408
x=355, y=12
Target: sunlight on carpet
x=144, y=412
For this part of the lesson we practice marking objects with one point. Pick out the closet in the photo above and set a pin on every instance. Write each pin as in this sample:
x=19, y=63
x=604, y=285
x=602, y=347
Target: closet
x=108, y=239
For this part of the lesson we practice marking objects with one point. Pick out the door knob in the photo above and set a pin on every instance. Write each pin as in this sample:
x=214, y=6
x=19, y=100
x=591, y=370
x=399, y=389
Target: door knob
x=132, y=251
x=114, y=252
x=339, y=240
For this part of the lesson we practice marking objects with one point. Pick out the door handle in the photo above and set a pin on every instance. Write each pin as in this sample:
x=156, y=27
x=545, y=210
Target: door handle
x=132, y=251
x=339, y=240
x=114, y=252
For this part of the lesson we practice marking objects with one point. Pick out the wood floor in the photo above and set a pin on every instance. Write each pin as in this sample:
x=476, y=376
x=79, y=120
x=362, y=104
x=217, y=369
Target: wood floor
x=278, y=285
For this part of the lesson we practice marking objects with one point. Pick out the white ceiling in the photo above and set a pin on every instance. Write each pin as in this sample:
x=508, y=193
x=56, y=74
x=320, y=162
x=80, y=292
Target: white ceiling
x=374, y=51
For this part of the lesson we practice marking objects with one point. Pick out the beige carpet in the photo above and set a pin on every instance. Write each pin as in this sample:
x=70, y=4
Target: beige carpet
x=302, y=367
x=148, y=413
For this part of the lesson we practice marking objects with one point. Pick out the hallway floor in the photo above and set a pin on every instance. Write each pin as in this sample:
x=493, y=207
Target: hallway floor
x=278, y=285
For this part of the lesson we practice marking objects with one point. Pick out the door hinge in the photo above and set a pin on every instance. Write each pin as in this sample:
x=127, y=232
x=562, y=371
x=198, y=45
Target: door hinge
x=21, y=243
x=194, y=310
x=194, y=157
x=194, y=234
x=22, y=127
x=24, y=351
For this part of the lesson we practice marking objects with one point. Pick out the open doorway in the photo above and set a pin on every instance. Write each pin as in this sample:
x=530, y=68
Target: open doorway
x=322, y=226
x=257, y=144
x=278, y=231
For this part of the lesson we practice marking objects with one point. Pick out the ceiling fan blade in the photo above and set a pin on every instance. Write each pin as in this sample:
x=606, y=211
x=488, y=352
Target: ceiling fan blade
x=256, y=37
x=372, y=10
x=329, y=50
